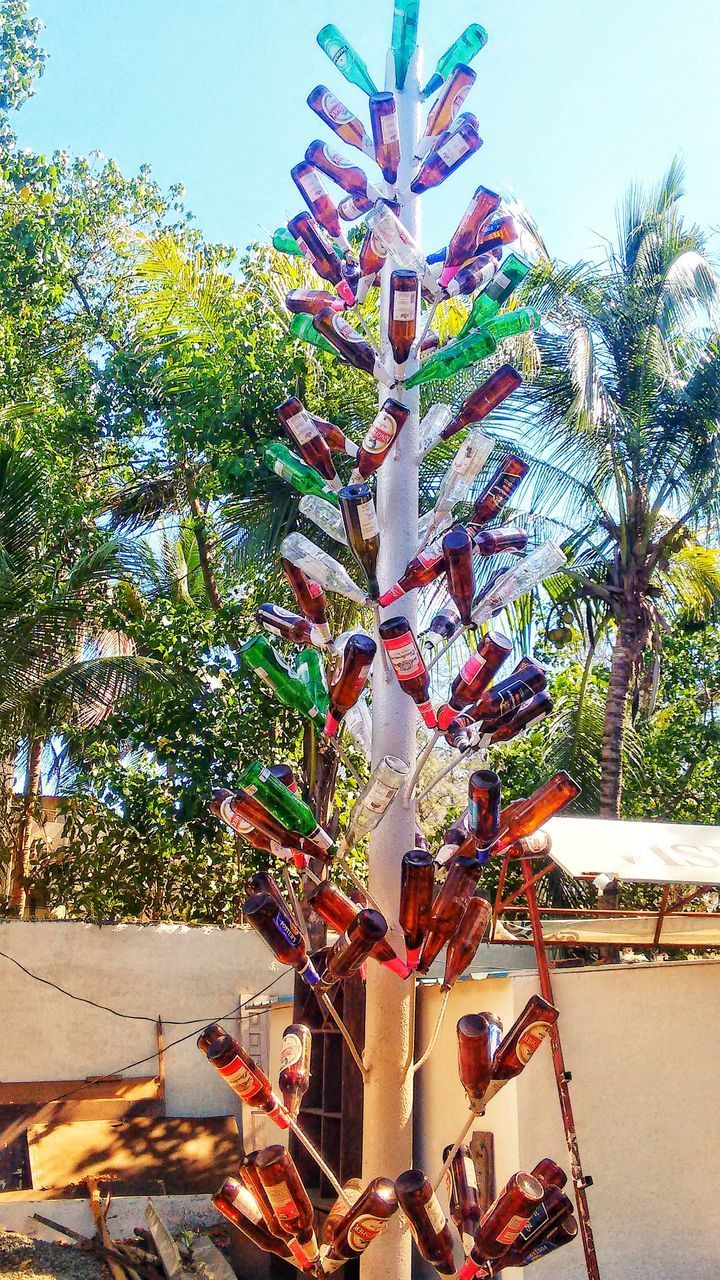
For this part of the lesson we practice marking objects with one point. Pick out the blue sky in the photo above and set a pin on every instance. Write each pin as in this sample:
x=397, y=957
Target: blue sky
x=574, y=99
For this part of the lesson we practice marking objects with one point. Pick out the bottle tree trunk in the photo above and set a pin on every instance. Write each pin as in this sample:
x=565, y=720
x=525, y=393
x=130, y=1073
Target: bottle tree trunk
x=390, y=1004
x=20, y=864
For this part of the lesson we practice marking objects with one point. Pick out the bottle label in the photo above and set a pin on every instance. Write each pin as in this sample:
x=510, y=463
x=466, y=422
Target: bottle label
x=285, y=929
x=282, y=1201
x=379, y=796
x=363, y=1230
x=430, y=559
x=335, y=110
x=405, y=656
x=240, y=1078
x=367, y=518
x=345, y=330
x=472, y=668
x=389, y=128
x=530, y=1040
x=302, y=427
x=335, y=159
x=381, y=433
x=435, y=1215
x=312, y=186
x=499, y=282
x=511, y=1232
x=228, y=815
x=291, y=1051
x=453, y=150
x=404, y=305
x=537, y=1219
x=464, y=462
x=280, y=851
x=470, y=1172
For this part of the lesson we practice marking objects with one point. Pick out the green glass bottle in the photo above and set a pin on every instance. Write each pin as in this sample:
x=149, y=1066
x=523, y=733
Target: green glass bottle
x=302, y=477
x=404, y=36
x=285, y=242
x=512, y=322
x=348, y=62
x=450, y=360
x=311, y=669
x=258, y=654
x=495, y=295
x=286, y=806
x=465, y=48
x=301, y=326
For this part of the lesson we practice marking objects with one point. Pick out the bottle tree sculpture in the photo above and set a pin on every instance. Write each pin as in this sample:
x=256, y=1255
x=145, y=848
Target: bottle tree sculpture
x=360, y=503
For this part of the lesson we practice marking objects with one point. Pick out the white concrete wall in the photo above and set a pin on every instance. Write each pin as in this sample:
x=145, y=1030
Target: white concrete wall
x=642, y=1043
x=174, y=971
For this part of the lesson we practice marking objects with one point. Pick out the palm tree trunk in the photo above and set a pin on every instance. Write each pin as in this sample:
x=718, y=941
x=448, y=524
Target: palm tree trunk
x=20, y=865
x=201, y=539
x=624, y=658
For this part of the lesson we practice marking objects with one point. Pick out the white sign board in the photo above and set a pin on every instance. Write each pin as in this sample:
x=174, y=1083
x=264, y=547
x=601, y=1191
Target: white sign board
x=647, y=852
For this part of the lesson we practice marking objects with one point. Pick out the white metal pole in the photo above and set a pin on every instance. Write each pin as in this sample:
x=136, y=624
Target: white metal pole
x=390, y=1015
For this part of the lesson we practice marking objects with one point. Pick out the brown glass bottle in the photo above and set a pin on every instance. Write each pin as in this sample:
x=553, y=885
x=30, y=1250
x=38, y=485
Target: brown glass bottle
x=476, y=274
x=523, y=1252
x=237, y=1203
x=249, y=1177
x=463, y=1197
x=364, y=1221
x=457, y=548
x=521, y=1042
x=337, y=910
x=502, y=1223
x=281, y=935
x=363, y=534
x=353, y=947
x=263, y=882
x=430, y=343
x=303, y=431
x=461, y=950
x=351, y=345
x=309, y=595
x=462, y=245
x=478, y=1036
x=246, y=1079
x=335, y=439
x=284, y=774
x=507, y=695
x=454, y=837
x=475, y=675
x=483, y=808
x=289, y=626
x=499, y=231
x=402, y=313
x=320, y=253
x=380, y=437
x=408, y=664
x=448, y=908
x=554, y=1208
x=417, y=877
x=420, y=571
x=248, y=810
x=507, y=478
x=349, y=176
x=372, y=254
x=386, y=134
x=426, y=1220
x=317, y=198
x=549, y=1173
x=307, y=302
x=527, y=713
x=483, y=400
x=337, y=117
x=527, y=815
x=287, y=1195
x=446, y=106
x=349, y=679
x=294, y=1077
x=353, y=1190
x=493, y=542
x=451, y=150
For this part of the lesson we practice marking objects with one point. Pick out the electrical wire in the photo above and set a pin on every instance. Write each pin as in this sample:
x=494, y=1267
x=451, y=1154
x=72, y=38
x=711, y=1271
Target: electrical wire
x=131, y=1017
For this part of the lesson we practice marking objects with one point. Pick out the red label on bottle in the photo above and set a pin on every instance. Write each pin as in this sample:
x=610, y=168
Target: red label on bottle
x=473, y=667
x=405, y=656
x=345, y=330
x=363, y=1230
x=511, y=1232
x=380, y=434
x=530, y=1040
x=335, y=110
x=241, y=1078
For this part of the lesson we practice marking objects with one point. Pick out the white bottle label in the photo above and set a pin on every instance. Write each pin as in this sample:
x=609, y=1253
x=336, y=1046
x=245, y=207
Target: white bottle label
x=389, y=128
x=367, y=517
x=379, y=796
x=436, y=1217
x=335, y=110
x=290, y=1051
x=404, y=303
x=464, y=460
x=453, y=150
x=346, y=330
x=302, y=427
x=312, y=186
x=470, y=1172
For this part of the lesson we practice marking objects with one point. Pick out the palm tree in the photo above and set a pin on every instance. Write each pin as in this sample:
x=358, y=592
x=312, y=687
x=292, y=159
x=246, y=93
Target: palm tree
x=61, y=669
x=626, y=402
